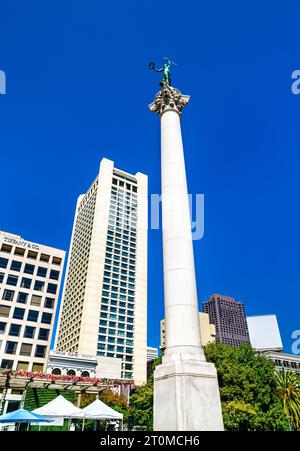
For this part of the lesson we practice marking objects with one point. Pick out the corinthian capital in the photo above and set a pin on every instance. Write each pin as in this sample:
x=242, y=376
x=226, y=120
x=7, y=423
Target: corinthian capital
x=167, y=99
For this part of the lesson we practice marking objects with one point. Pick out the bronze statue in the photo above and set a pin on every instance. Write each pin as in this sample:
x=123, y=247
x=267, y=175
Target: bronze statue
x=165, y=69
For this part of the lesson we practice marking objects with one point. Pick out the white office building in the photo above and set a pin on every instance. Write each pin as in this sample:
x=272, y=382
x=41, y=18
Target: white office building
x=264, y=333
x=152, y=353
x=30, y=276
x=104, y=305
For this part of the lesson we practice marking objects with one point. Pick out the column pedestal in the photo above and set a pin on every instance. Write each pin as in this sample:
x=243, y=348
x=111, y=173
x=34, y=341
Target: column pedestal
x=186, y=397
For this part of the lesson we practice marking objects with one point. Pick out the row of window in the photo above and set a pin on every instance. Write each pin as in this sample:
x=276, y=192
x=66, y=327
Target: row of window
x=121, y=283
x=39, y=285
x=122, y=234
x=119, y=341
x=22, y=298
x=110, y=340
x=31, y=254
x=26, y=349
x=123, y=194
x=57, y=372
x=114, y=317
x=19, y=313
x=8, y=364
x=287, y=364
x=123, y=222
x=113, y=348
x=116, y=269
x=124, y=253
x=29, y=331
x=123, y=199
x=122, y=211
x=118, y=289
x=29, y=269
x=123, y=184
x=119, y=311
x=120, y=333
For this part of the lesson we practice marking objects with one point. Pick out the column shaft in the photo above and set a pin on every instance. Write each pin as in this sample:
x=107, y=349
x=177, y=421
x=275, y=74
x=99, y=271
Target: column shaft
x=180, y=292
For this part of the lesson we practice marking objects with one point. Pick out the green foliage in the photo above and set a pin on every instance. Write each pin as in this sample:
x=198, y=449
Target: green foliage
x=38, y=397
x=238, y=415
x=288, y=387
x=248, y=388
x=142, y=401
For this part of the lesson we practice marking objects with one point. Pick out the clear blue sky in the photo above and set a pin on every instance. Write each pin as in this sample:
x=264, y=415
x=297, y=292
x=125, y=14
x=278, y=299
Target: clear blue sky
x=78, y=87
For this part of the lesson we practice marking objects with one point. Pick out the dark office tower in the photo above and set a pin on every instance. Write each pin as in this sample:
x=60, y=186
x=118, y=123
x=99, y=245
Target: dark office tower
x=228, y=316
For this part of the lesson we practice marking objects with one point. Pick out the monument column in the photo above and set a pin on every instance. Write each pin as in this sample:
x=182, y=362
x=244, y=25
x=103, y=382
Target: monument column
x=186, y=394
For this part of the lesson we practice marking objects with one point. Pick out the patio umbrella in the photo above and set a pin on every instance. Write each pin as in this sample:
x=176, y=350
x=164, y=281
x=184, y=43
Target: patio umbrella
x=23, y=416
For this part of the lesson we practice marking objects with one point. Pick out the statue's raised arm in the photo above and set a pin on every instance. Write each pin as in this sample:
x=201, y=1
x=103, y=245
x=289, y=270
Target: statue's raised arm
x=152, y=67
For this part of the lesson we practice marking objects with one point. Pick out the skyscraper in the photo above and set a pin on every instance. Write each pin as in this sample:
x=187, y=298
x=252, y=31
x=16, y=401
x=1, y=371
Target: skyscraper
x=228, y=316
x=104, y=305
x=30, y=275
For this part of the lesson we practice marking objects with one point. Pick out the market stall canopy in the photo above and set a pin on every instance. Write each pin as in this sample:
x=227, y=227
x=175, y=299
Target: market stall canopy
x=23, y=416
x=100, y=411
x=60, y=407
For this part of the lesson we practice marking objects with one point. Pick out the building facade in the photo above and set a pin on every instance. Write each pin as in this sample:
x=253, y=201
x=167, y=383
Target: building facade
x=104, y=305
x=228, y=316
x=207, y=331
x=282, y=361
x=83, y=365
x=264, y=333
x=152, y=353
x=30, y=276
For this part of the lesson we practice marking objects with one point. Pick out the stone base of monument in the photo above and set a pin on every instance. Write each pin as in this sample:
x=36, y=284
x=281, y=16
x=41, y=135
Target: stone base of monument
x=186, y=397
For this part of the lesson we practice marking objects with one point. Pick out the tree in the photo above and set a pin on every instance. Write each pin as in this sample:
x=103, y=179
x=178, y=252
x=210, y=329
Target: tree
x=288, y=387
x=238, y=415
x=248, y=388
x=142, y=401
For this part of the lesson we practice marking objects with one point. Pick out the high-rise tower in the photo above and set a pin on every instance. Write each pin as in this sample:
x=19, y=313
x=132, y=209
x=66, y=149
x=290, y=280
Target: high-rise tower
x=229, y=317
x=104, y=306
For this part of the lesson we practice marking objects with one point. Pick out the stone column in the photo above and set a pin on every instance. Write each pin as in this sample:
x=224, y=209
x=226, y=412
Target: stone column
x=186, y=394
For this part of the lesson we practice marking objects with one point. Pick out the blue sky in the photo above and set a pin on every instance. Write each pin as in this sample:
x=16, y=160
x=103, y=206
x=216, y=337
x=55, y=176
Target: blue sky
x=78, y=86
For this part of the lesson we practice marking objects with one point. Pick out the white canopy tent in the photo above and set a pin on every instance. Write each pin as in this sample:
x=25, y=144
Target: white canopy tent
x=97, y=410
x=60, y=407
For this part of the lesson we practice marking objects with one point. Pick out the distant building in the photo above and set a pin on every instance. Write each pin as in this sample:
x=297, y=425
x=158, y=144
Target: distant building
x=207, y=330
x=264, y=333
x=228, y=316
x=152, y=353
x=283, y=361
x=66, y=364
